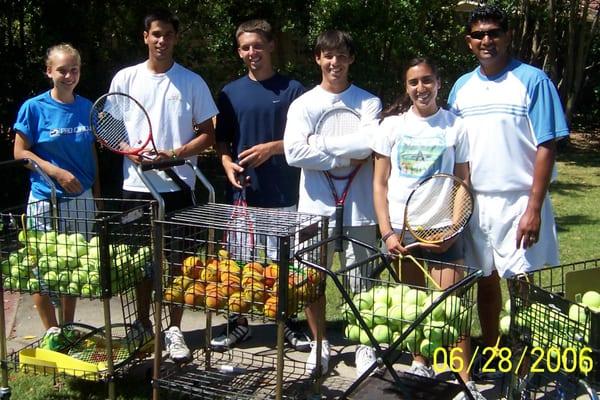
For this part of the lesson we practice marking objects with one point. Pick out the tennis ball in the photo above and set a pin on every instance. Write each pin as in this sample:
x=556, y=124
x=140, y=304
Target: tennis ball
x=33, y=285
x=368, y=317
x=395, y=316
x=64, y=278
x=73, y=288
x=382, y=333
x=348, y=314
x=413, y=340
x=380, y=311
x=51, y=278
x=79, y=276
x=364, y=338
x=452, y=307
x=5, y=267
x=76, y=239
x=363, y=301
x=46, y=247
x=507, y=306
x=352, y=332
x=577, y=313
x=438, y=312
x=591, y=299
x=414, y=296
x=62, y=250
x=62, y=238
x=87, y=290
x=11, y=283
x=380, y=295
x=19, y=271
x=427, y=347
x=505, y=324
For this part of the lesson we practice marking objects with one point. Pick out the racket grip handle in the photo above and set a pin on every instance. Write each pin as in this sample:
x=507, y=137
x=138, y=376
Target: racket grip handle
x=339, y=227
x=14, y=163
x=162, y=164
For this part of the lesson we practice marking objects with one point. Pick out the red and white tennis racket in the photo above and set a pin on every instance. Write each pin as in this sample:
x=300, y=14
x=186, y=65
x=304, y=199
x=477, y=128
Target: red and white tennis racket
x=122, y=125
x=333, y=123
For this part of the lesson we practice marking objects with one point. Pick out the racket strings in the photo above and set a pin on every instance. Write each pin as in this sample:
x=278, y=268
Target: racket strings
x=339, y=124
x=116, y=119
x=438, y=210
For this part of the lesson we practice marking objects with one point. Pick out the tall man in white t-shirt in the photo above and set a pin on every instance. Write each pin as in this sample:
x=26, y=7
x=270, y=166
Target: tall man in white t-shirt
x=181, y=108
x=334, y=53
x=513, y=117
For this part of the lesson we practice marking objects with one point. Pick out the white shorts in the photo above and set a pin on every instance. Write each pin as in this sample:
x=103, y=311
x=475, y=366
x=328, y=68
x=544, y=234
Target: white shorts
x=490, y=241
x=76, y=214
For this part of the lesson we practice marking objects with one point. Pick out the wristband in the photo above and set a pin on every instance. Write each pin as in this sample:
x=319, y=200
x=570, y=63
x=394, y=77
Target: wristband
x=387, y=236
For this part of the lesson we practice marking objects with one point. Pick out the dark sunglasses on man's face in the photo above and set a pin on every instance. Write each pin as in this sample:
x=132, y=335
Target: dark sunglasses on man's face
x=492, y=34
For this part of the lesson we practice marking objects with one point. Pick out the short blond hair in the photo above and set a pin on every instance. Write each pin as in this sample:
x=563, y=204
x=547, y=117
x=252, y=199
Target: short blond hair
x=66, y=48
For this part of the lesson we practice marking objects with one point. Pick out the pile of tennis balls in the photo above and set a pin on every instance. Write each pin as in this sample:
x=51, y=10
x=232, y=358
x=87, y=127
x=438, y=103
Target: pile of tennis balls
x=547, y=325
x=389, y=310
x=69, y=264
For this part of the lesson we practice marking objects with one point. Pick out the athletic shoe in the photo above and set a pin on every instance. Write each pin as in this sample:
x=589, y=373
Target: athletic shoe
x=233, y=334
x=296, y=338
x=474, y=392
x=175, y=345
x=311, y=362
x=139, y=336
x=52, y=339
x=364, y=358
x=420, y=369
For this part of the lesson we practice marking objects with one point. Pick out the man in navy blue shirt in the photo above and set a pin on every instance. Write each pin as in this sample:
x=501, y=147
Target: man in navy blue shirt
x=249, y=135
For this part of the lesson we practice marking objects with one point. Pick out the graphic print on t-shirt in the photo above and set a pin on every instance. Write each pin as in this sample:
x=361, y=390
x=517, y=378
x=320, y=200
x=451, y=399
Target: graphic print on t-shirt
x=420, y=157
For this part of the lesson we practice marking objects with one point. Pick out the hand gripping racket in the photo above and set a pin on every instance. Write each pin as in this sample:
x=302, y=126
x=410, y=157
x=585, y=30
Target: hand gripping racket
x=437, y=210
x=333, y=123
x=122, y=125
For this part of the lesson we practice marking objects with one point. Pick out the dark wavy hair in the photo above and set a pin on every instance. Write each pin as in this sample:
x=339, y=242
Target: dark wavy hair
x=162, y=15
x=403, y=103
x=487, y=13
x=335, y=40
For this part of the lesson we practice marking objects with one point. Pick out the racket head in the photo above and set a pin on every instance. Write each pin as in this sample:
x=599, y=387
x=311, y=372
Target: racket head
x=438, y=209
x=91, y=344
x=338, y=121
x=121, y=124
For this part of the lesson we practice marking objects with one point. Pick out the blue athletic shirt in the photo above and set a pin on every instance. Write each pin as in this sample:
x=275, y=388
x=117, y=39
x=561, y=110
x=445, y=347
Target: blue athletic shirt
x=507, y=116
x=60, y=134
x=253, y=112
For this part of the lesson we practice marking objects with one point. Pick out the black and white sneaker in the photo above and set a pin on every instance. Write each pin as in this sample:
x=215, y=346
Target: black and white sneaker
x=295, y=337
x=233, y=334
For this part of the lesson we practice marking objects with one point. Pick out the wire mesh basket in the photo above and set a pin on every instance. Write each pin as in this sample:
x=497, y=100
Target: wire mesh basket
x=388, y=315
x=234, y=375
x=80, y=250
x=213, y=261
x=559, y=333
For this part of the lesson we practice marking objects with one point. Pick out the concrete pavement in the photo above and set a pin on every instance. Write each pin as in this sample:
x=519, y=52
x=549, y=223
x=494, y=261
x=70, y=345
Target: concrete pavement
x=24, y=327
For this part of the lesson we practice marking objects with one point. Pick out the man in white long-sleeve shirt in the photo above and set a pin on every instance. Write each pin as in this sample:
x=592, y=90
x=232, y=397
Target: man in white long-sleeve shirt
x=334, y=53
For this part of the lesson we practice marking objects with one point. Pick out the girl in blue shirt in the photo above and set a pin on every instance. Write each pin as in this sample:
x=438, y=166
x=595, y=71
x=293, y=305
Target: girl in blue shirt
x=53, y=130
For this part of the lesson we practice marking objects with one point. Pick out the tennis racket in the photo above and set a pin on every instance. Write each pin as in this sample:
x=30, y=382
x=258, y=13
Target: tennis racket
x=335, y=123
x=438, y=209
x=122, y=125
x=89, y=344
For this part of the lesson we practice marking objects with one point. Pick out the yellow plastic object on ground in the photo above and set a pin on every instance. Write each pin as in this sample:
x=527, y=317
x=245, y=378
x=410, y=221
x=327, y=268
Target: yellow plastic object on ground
x=45, y=360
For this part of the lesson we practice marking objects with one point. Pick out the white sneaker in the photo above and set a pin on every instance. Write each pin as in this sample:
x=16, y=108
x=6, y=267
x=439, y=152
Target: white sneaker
x=364, y=358
x=474, y=392
x=420, y=369
x=311, y=362
x=175, y=345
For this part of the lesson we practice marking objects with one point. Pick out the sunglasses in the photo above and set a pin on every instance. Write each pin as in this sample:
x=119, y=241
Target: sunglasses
x=492, y=34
